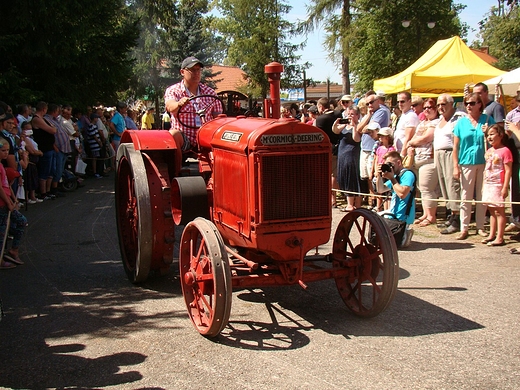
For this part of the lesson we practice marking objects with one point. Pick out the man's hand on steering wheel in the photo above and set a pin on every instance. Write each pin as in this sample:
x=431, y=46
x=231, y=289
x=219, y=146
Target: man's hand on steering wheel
x=183, y=101
x=200, y=111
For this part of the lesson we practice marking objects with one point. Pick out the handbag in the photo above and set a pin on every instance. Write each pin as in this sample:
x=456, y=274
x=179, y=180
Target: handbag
x=408, y=161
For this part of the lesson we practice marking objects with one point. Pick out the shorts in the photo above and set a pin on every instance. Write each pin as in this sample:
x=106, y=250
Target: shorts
x=47, y=165
x=365, y=167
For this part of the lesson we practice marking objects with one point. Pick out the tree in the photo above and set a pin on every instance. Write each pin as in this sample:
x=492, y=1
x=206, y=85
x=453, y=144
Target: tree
x=338, y=28
x=370, y=40
x=169, y=32
x=73, y=52
x=382, y=46
x=257, y=34
x=500, y=31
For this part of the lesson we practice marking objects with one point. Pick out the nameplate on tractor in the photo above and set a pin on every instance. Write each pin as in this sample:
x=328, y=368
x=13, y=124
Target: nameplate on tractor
x=286, y=139
x=231, y=136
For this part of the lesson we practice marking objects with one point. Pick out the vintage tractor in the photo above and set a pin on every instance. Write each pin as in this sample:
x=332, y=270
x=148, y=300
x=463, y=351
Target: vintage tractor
x=257, y=204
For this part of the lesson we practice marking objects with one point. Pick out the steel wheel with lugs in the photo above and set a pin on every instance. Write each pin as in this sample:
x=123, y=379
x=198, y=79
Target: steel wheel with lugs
x=364, y=245
x=205, y=277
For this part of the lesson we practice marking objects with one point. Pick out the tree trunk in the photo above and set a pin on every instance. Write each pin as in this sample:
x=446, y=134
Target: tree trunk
x=345, y=68
x=345, y=76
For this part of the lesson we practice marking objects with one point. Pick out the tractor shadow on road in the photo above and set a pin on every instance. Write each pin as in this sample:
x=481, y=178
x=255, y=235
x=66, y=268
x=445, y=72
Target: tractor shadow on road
x=294, y=312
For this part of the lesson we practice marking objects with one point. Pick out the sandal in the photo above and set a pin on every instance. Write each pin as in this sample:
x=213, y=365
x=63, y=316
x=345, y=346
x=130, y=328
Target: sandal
x=487, y=240
x=6, y=265
x=514, y=251
x=494, y=243
x=13, y=259
x=420, y=219
x=425, y=222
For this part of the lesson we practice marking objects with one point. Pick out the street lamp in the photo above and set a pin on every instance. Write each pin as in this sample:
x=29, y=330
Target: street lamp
x=406, y=23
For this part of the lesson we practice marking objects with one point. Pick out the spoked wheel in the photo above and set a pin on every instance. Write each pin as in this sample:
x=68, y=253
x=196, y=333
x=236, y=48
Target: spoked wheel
x=365, y=246
x=198, y=108
x=134, y=219
x=205, y=277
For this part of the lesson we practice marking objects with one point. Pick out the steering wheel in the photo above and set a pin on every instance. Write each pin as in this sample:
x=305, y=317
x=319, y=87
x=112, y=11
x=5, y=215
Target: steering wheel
x=201, y=111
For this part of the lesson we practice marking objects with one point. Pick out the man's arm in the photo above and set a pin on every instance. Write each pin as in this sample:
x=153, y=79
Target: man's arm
x=401, y=190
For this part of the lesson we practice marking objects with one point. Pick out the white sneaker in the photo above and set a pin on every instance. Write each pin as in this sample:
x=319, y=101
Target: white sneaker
x=30, y=201
x=407, y=237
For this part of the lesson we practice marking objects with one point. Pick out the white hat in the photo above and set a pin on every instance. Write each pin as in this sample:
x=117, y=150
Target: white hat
x=385, y=131
x=373, y=126
x=380, y=94
x=346, y=98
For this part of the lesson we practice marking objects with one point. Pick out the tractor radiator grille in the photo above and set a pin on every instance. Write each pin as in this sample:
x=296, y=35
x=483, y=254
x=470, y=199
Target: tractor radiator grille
x=295, y=186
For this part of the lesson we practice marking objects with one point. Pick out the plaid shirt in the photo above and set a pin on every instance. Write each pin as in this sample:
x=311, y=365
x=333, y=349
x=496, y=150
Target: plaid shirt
x=61, y=136
x=189, y=116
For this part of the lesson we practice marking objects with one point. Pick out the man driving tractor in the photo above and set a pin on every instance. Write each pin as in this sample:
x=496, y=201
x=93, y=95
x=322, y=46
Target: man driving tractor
x=186, y=121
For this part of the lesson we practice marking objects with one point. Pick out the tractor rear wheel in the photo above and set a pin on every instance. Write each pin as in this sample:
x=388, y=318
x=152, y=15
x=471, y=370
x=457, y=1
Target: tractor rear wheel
x=134, y=219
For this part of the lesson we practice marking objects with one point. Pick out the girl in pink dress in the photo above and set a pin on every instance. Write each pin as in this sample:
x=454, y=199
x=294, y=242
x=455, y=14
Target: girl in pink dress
x=497, y=176
x=381, y=147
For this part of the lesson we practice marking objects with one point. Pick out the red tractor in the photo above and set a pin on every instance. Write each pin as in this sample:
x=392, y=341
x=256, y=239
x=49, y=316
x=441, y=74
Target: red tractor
x=257, y=204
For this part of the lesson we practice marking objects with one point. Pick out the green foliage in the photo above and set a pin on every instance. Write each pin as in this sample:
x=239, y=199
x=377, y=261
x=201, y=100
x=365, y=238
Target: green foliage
x=381, y=46
x=501, y=32
x=367, y=39
x=74, y=51
x=169, y=32
x=256, y=34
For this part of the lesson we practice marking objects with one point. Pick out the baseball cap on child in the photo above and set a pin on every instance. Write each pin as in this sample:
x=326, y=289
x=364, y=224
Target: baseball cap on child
x=373, y=126
x=387, y=131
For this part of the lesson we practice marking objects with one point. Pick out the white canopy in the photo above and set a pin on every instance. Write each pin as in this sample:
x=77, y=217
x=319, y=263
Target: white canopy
x=509, y=82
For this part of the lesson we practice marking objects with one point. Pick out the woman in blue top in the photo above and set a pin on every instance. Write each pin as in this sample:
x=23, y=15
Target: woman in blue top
x=469, y=162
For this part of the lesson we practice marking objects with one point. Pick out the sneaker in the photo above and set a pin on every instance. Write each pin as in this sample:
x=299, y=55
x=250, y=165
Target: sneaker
x=30, y=201
x=450, y=229
x=515, y=237
x=38, y=200
x=482, y=233
x=512, y=228
x=97, y=176
x=407, y=238
x=51, y=196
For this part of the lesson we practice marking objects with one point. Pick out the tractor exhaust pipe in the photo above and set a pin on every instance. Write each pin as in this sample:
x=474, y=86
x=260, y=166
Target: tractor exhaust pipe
x=272, y=106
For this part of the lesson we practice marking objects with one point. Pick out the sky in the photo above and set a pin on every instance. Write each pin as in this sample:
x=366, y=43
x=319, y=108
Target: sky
x=322, y=68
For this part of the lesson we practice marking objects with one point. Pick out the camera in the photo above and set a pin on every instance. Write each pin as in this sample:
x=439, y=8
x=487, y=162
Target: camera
x=344, y=121
x=387, y=167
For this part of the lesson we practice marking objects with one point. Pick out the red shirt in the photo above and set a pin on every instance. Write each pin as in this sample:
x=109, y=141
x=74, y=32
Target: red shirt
x=5, y=185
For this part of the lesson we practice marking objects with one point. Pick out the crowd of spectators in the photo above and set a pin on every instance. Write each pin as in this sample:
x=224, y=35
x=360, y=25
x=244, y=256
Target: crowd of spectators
x=465, y=153
x=37, y=145
x=460, y=152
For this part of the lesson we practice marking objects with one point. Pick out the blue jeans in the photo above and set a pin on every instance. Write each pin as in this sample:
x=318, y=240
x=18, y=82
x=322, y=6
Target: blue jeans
x=61, y=159
x=16, y=228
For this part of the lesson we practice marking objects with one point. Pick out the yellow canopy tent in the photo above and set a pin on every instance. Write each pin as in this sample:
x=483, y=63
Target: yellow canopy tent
x=445, y=68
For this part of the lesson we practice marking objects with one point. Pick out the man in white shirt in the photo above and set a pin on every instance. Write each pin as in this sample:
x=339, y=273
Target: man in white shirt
x=407, y=124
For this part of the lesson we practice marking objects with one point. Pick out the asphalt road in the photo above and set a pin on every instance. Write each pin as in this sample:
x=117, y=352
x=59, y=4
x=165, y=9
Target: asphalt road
x=73, y=320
